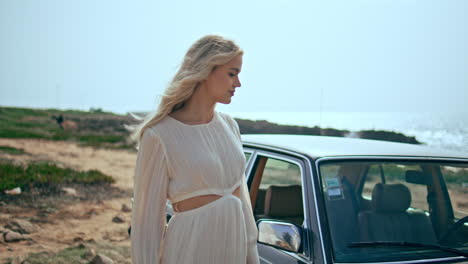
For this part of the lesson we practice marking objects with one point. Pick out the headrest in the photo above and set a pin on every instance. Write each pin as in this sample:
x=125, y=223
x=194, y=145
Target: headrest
x=283, y=201
x=388, y=198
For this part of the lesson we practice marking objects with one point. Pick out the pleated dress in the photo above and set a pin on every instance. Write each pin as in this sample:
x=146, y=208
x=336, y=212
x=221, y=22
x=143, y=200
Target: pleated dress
x=177, y=161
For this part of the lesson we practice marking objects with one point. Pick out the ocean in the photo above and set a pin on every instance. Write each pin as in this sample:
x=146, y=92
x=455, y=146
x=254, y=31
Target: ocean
x=440, y=130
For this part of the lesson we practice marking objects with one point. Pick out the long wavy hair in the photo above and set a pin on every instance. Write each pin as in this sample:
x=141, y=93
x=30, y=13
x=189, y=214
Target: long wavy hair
x=199, y=61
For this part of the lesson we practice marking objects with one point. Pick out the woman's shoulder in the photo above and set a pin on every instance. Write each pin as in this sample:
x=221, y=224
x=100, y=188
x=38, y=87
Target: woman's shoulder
x=230, y=121
x=159, y=129
x=226, y=117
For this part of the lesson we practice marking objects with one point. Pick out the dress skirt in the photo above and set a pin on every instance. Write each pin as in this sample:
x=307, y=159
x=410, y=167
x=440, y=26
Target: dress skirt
x=213, y=233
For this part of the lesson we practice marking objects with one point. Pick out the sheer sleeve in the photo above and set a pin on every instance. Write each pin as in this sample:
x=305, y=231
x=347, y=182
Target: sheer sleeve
x=252, y=231
x=150, y=195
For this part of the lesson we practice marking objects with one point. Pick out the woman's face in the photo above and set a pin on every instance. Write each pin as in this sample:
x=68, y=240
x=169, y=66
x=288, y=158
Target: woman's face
x=223, y=81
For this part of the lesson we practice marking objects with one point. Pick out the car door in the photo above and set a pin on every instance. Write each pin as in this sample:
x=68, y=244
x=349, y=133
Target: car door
x=267, y=171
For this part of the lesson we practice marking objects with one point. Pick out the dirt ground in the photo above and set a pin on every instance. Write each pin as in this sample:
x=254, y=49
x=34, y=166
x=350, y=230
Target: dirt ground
x=81, y=220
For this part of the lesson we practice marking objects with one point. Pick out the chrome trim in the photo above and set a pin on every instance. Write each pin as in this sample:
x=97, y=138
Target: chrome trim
x=249, y=166
x=264, y=260
x=254, y=145
x=306, y=160
x=298, y=257
x=390, y=158
x=438, y=260
x=251, y=151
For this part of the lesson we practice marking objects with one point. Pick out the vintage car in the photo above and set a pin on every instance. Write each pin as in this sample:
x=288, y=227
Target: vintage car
x=323, y=199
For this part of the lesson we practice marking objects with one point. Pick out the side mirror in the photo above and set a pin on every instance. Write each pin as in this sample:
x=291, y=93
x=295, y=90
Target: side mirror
x=279, y=234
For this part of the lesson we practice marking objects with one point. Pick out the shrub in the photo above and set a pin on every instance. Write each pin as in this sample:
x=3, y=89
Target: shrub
x=43, y=174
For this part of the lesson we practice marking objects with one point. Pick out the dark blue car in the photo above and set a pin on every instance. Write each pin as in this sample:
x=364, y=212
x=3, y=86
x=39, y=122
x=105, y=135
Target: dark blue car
x=341, y=200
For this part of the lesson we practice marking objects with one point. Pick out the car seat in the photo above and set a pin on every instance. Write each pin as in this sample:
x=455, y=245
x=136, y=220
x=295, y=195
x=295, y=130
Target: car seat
x=390, y=219
x=284, y=203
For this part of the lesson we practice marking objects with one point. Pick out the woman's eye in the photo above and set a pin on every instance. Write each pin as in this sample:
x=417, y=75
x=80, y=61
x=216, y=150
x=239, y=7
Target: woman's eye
x=232, y=74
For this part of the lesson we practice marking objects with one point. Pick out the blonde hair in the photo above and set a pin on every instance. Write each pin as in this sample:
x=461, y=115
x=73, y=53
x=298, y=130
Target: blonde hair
x=199, y=61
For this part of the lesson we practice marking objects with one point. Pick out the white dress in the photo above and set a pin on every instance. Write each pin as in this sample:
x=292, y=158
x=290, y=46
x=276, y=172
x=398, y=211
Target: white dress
x=177, y=161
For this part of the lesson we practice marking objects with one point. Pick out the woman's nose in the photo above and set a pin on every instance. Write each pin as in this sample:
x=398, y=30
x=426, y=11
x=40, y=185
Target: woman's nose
x=238, y=83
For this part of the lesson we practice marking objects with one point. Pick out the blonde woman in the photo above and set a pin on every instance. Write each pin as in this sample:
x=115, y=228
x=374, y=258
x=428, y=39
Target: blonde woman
x=192, y=155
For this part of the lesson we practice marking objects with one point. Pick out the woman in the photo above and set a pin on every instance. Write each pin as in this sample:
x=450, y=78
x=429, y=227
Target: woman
x=192, y=155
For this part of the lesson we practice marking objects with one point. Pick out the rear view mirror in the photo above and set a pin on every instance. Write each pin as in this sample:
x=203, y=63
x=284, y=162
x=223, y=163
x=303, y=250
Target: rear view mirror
x=418, y=177
x=279, y=234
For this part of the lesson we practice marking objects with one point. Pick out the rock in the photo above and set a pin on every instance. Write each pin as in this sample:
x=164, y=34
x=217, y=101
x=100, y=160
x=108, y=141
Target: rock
x=101, y=259
x=13, y=236
x=22, y=226
x=114, y=254
x=3, y=230
x=13, y=191
x=4, y=216
x=69, y=191
x=78, y=239
x=89, y=253
x=118, y=219
x=91, y=213
x=125, y=208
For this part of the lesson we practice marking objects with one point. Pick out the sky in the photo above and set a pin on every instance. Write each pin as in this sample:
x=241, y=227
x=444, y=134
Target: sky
x=300, y=56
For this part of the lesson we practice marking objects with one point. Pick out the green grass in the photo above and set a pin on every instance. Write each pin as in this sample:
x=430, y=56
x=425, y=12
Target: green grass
x=68, y=255
x=43, y=174
x=11, y=150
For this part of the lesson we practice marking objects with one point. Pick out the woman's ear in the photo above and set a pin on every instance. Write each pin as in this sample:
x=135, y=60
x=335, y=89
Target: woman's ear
x=199, y=84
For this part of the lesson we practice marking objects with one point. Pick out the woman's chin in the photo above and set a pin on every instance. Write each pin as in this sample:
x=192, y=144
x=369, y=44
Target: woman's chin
x=226, y=101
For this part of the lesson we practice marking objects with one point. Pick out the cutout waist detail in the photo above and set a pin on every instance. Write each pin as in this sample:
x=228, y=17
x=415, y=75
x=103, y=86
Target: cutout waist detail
x=198, y=201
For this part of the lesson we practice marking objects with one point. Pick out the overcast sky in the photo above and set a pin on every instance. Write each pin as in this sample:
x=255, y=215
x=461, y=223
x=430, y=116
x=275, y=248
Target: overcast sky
x=351, y=55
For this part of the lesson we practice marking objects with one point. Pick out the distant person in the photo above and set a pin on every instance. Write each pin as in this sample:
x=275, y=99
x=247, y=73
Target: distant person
x=59, y=120
x=192, y=155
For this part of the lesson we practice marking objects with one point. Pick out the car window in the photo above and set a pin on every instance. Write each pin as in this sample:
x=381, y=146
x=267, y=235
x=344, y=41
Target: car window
x=280, y=172
x=400, y=201
x=456, y=178
x=279, y=194
x=247, y=156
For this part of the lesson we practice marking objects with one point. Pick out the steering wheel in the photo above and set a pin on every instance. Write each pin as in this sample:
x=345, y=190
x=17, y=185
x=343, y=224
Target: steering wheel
x=444, y=238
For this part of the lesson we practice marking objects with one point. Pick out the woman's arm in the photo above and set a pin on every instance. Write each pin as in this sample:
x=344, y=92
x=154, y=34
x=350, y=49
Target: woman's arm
x=252, y=231
x=150, y=195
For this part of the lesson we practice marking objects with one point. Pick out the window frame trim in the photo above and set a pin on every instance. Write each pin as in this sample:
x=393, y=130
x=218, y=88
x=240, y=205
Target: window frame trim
x=305, y=255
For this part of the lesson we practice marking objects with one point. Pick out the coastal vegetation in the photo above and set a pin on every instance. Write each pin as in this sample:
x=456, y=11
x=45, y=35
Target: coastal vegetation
x=98, y=128
x=90, y=128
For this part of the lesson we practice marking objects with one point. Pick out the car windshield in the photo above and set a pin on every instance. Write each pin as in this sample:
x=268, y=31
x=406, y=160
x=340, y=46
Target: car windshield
x=385, y=210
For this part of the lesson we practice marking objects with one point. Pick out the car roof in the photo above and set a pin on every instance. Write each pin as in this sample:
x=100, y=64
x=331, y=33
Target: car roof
x=326, y=146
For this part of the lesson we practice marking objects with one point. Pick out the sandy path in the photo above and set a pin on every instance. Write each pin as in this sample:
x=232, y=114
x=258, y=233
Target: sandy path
x=81, y=221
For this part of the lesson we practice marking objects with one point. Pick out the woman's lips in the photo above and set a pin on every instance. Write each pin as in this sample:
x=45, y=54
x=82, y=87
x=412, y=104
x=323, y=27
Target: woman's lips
x=232, y=93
